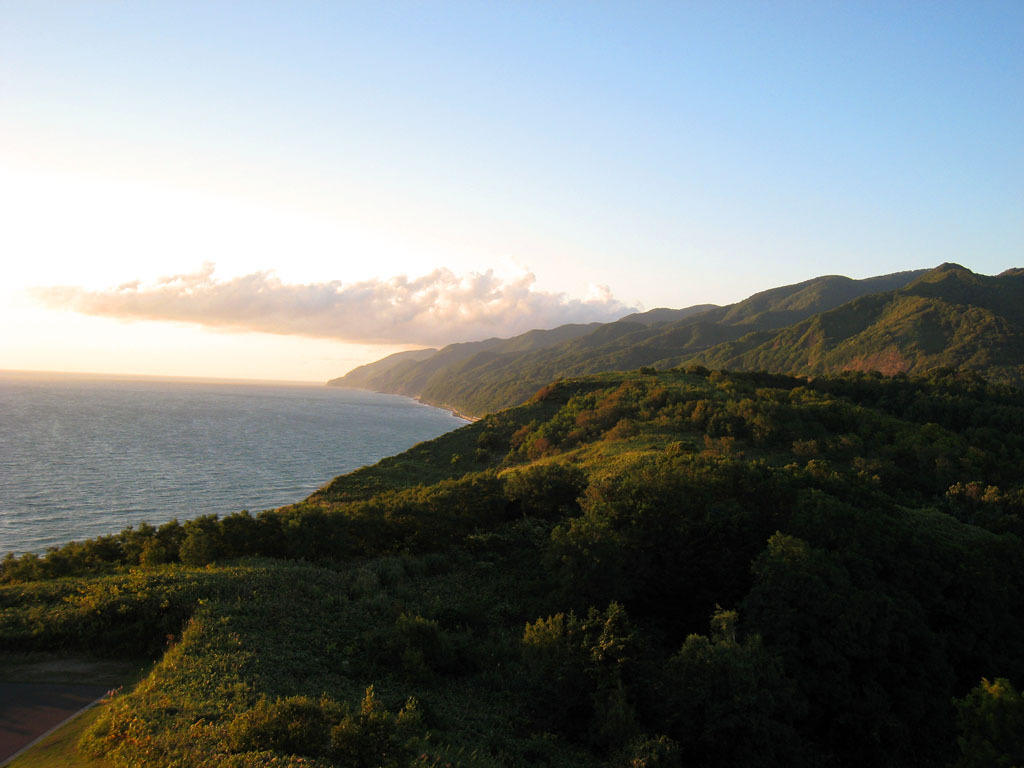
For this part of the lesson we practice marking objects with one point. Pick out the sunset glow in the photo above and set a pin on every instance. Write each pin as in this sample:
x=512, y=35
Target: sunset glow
x=345, y=181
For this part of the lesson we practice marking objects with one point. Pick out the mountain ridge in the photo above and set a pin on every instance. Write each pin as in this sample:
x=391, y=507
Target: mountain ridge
x=479, y=377
x=948, y=317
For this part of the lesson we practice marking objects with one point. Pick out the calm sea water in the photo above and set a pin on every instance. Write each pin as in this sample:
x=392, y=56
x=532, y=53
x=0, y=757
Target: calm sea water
x=84, y=457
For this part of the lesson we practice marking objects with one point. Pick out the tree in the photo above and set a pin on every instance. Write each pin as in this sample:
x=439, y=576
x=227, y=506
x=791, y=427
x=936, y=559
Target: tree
x=727, y=702
x=991, y=723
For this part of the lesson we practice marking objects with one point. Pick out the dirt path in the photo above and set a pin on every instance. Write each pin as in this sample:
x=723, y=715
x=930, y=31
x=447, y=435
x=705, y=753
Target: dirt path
x=29, y=710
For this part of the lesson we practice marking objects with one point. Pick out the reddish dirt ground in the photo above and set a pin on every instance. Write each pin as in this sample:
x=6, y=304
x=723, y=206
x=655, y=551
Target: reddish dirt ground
x=28, y=710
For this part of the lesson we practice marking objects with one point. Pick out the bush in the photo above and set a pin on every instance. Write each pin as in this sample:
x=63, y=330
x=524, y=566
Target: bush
x=579, y=670
x=647, y=752
x=202, y=543
x=374, y=738
x=421, y=647
x=546, y=490
x=293, y=725
x=727, y=702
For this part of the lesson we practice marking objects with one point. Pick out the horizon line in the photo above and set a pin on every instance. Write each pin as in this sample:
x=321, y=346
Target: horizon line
x=120, y=376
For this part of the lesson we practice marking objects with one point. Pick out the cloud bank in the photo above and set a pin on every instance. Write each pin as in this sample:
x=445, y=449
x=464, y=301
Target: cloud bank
x=435, y=309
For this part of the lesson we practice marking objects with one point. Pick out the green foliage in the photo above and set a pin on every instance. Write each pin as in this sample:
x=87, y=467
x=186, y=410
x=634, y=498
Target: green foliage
x=374, y=738
x=991, y=724
x=486, y=376
x=549, y=490
x=128, y=614
x=293, y=725
x=862, y=652
x=647, y=752
x=421, y=648
x=369, y=737
x=949, y=318
x=728, y=701
x=669, y=534
x=201, y=544
x=579, y=670
x=865, y=529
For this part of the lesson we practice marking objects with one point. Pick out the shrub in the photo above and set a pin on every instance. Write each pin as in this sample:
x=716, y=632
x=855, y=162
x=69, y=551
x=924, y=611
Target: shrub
x=153, y=554
x=579, y=670
x=623, y=429
x=374, y=738
x=421, y=647
x=294, y=725
x=727, y=702
x=202, y=543
x=647, y=752
x=546, y=490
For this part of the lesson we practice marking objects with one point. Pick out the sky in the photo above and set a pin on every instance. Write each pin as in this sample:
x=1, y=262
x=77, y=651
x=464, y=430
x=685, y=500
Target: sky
x=289, y=190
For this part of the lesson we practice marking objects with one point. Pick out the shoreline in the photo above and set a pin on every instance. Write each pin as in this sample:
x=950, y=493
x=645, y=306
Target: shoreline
x=40, y=515
x=419, y=399
x=453, y=411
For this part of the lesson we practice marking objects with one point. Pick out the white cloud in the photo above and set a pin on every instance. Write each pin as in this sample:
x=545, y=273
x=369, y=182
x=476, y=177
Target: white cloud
x=435, y=309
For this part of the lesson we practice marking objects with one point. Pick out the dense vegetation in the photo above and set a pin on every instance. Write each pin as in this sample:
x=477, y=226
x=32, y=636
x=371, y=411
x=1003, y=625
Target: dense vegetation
x=646, y=569
x=478, y=377
x=948, y=317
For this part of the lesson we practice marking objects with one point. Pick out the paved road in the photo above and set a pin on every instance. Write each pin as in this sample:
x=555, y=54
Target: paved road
x=28, y=710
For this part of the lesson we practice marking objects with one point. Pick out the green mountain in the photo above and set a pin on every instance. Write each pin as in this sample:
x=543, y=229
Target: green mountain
x=391, y=366
x=665, y=315
x=486, y=376
x=661, y=567
x=411, y=373
x=948, y=317
x=631, y=569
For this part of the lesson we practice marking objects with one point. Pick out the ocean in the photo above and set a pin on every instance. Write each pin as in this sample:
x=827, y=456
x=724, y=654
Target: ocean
x=85, y=456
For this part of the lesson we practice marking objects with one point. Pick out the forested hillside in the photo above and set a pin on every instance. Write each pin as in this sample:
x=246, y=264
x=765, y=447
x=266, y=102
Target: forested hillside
x=948, y=317
x=485, y=376
x=674, y=568
x=409, y=373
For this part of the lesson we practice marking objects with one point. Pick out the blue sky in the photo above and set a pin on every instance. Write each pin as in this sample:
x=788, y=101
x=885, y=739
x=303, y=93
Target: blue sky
x=592, y=156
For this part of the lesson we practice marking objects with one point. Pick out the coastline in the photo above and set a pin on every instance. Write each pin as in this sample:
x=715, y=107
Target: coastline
x=317, y=437
x=418, y=398
x=453, y=411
